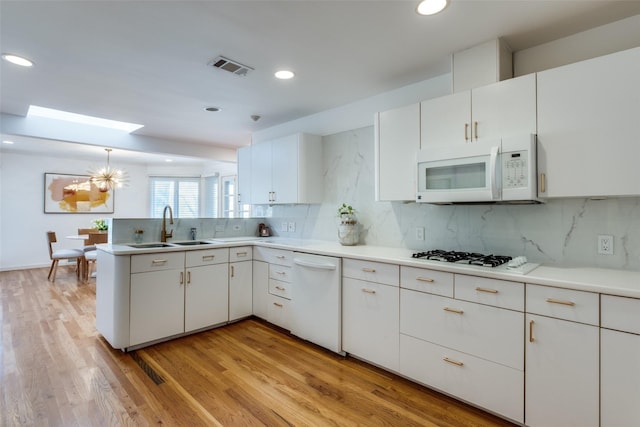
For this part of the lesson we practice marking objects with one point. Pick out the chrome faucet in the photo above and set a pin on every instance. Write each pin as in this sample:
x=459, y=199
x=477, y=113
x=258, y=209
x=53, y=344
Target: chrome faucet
x=164, y=234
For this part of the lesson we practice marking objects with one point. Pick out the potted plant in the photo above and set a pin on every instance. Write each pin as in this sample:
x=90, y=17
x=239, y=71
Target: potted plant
x=100, y=224
x=348, y=228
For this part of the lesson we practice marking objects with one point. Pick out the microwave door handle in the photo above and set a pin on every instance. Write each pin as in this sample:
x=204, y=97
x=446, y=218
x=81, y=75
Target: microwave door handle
x=493, y=174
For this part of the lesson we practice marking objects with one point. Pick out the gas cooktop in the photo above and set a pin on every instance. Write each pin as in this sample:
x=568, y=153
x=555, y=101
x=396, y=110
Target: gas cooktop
x=500, y=262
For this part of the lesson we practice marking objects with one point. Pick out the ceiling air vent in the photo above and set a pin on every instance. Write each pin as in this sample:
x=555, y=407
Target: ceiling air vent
x=229, y=65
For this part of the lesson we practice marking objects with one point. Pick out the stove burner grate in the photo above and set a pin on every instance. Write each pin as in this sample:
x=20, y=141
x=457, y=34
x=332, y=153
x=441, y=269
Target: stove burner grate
x=470, y=258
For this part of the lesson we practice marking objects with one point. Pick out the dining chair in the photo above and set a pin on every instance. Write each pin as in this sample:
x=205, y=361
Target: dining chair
x=87, y=243
x=91, y=256
x=57, y=255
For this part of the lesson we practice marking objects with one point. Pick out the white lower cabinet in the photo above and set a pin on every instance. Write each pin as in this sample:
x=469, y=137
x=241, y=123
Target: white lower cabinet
x=370, y=322
x=489, y=385
x=473, y=351
x=260, y=289
x=157, y=305
x=562, y=359
x=240, y=283
x=278, y=311
x=620, y=362
x=272, y=285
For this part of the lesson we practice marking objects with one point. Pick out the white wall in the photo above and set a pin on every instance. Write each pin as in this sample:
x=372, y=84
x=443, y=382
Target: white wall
x=23, y=223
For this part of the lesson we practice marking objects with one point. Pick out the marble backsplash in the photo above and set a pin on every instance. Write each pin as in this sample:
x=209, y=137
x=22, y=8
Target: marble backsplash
x=560, y=232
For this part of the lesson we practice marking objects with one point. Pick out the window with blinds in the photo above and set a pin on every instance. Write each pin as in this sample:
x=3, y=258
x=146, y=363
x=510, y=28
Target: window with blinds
x=182, y=194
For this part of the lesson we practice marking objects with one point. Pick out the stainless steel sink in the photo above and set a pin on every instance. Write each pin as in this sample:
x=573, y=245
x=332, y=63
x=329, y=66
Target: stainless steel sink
x=192, y=243
x=150, y=245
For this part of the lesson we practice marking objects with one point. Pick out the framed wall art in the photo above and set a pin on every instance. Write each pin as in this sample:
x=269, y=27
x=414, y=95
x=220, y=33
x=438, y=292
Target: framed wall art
x=65, y=193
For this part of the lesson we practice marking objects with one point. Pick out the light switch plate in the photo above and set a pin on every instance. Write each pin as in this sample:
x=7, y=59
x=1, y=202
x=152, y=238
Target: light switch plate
x=292, y=227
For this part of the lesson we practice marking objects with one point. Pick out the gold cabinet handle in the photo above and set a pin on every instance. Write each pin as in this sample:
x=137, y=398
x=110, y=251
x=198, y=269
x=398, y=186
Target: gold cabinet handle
x=453, y=362
x=425, y=279
x=491, y=291
x=543, y=183
x=277, y=304
x=281, y=272
x=369, y=291
x=453, y=310
x=531, y=331
x=239, y=254
x=280, y=256
x=182, y=278
x=280, y=288
x=369, y=270
x=466, y=131
x=208, y=257
x=188, y=277
x=232, y=271
x=158, y=261
x=475, y=129
x=557, y=301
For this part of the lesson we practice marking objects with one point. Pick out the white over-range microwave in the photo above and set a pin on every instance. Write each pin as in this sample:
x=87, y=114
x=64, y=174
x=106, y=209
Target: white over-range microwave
x=498, y=171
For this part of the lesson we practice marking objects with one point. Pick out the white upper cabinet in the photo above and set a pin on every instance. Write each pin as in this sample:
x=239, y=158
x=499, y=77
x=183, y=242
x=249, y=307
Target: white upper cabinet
x=396, y=144
x=287, y=170
x=489, y=112
x=588, y=143
x=244, y=176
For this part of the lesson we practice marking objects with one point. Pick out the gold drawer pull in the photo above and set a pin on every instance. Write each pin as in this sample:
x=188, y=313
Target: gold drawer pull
x=369, y=291
x=239, y=254
x=208, y=257
x=453, y=362
x=280, y=256
x=369, y=270
x=491, y=291
x=277, y=304
x=158, y=261
x=281, y=272
x=280, y=288
x=453, y=310
x=557, y=301
x=531, y=331
x=425, y=279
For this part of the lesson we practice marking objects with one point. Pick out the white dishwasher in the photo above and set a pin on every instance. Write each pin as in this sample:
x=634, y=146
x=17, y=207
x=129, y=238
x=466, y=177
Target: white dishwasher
x=316, y=300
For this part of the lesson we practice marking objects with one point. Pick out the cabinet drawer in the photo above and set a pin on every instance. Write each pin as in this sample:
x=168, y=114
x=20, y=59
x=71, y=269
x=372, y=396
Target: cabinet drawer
x=281, y=289
x=499, y=293
x=492, y=386
x=424, y=280
x=490, y=333
x=158, y=261
x=567, y=304
x=278, y=311
x=370, y=271
x=242, y=253
x=620, y=313
x=207, y=257
x=280, y=273
x=273, y=256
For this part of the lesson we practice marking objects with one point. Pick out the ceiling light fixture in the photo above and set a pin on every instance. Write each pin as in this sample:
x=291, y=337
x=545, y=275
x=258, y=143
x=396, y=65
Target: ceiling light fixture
x=284, y=74
x=17, y=60
x=431, y=7
x=7, y=142
x=51, y=113
x=108, y=178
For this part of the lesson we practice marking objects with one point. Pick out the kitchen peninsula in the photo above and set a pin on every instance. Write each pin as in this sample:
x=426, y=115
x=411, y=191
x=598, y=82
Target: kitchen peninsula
x=486, y=322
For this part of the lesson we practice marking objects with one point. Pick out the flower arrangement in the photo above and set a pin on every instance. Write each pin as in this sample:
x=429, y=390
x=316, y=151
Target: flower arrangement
x=100, y=224
x=347, y=214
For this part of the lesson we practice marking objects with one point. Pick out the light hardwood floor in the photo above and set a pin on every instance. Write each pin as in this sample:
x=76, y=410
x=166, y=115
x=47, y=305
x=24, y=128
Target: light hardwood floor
x=57, y=370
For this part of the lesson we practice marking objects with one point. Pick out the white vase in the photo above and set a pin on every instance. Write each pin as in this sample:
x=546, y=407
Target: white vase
x=348, y=234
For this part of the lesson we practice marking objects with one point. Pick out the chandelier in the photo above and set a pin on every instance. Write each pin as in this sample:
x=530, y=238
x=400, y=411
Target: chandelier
x=108, y=178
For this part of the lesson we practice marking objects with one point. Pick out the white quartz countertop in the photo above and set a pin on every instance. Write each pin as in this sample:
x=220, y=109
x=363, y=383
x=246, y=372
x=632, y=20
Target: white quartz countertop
x=607, y=281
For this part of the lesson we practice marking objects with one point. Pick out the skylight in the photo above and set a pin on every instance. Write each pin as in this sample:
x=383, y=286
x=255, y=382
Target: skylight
x=50, y=113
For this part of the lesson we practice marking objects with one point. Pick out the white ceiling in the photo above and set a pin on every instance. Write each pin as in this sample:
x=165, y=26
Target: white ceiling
x=146, y=61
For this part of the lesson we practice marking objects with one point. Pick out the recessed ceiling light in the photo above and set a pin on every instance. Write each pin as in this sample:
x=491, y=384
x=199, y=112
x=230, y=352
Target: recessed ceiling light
x=7, y=142
x=431, y=7
x=50, y=113
x=168, y=160
x=284, y=74
x=213, y=109
x=18, y=60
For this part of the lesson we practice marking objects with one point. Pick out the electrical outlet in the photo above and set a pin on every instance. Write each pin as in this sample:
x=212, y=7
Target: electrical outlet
x=419, y=233
x=292, y=227
x=605, y=244
x=284, y=226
